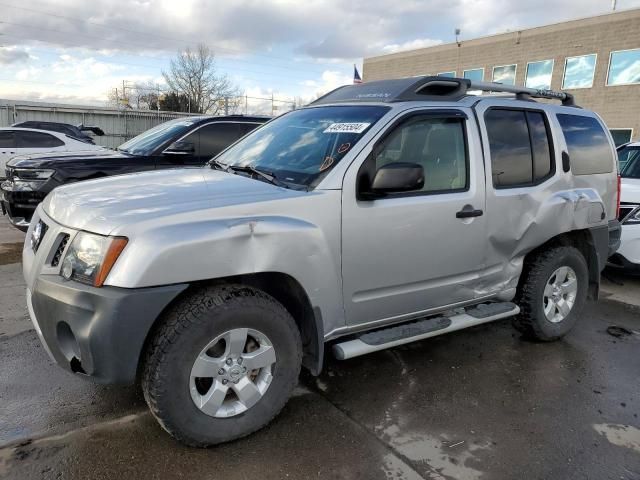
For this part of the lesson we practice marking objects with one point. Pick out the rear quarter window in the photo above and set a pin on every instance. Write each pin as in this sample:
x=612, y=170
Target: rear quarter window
x=589, y=149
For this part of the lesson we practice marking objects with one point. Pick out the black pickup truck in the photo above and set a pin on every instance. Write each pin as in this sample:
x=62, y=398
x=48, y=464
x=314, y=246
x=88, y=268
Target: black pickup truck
x=189, y=141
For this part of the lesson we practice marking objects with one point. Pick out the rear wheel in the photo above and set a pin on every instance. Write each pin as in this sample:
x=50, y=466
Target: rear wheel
x=222, y=365
x=552, y=293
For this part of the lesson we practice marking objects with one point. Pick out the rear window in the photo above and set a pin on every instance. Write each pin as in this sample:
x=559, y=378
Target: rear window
x=589, y=149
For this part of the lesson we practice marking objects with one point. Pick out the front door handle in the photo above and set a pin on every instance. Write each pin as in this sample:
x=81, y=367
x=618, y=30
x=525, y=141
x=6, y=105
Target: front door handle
x=468, y=212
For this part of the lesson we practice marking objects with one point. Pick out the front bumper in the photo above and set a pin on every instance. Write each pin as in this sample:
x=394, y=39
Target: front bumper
x=628, y=255
x=96, y=332
x=19, y=201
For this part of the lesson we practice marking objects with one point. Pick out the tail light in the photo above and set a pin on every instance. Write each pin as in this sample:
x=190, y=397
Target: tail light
x=618, y=196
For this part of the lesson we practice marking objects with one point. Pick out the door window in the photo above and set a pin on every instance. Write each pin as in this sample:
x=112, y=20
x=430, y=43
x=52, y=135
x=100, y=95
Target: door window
x=589, y=148
x=520, y=147
x=27, y=139
x=7, y=140
x=216, y=137
x=437, y=144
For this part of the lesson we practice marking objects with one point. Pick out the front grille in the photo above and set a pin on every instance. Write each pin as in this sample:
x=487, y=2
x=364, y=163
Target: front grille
x=55, y=261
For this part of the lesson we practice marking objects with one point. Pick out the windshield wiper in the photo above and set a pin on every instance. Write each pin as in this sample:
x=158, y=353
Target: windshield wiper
x=268, y=176
x=218, y=165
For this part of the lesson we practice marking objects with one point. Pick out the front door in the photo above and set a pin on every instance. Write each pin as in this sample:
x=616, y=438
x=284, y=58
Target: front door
x=413, y=252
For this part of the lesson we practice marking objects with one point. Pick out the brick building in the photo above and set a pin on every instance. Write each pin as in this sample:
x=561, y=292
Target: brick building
x=597, y=59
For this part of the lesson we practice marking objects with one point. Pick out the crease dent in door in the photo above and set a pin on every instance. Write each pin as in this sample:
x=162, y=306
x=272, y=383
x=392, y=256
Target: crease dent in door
x=460, y=283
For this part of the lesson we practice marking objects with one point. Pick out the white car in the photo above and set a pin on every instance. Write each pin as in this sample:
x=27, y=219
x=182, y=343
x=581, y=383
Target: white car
x=628, y=255
x=19, y=141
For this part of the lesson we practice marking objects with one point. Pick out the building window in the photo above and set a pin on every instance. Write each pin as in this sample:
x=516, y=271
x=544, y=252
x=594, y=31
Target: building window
x=624, y=67
x=447, y=74
x=579, y=71
x=475, y=74
x=621, y=135
x=539, y=74
x=505, y=74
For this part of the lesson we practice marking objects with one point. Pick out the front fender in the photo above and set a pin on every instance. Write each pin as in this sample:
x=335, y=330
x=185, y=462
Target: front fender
x=304, y=245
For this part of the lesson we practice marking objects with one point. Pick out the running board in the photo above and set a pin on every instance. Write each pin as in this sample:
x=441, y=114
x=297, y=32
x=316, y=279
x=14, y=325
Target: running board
x=421, y=329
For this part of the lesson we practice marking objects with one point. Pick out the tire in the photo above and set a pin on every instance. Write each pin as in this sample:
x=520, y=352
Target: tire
x=537, y=305
x=187, y=328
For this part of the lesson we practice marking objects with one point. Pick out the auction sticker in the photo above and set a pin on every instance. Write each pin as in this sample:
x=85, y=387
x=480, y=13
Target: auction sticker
x=347, y=128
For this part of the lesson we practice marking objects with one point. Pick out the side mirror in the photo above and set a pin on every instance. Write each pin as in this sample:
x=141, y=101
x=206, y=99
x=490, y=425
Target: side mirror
x=398, y=177
x=180, y=148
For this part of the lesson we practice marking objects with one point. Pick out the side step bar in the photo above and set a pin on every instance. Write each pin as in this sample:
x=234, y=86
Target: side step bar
x=421, y=329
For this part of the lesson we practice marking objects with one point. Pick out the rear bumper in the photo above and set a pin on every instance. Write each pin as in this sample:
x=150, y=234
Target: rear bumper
x=96, y=332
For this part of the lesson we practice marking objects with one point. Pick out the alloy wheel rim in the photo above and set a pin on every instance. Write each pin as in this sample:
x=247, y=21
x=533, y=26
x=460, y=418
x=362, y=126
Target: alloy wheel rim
x=560, y=294
x=232, y=372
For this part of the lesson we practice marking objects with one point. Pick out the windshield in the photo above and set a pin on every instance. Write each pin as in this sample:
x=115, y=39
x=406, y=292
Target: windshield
x=300, y=147
x=629, y=160
x=148, y=142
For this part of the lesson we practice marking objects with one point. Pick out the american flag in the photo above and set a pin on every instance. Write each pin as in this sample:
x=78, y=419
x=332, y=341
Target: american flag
x=356, y=76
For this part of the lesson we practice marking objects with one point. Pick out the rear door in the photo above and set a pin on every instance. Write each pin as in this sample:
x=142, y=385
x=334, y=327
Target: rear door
x=524, y=170
x=411, y=253
x=38, y=142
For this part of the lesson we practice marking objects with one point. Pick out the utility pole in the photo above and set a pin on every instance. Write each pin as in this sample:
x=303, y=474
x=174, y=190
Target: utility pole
x=226, y=105
x=613, y=4
x=158, y=100
x=272, y=107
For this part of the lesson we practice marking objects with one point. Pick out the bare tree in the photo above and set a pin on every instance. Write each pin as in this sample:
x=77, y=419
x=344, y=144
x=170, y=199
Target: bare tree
x=193, y=73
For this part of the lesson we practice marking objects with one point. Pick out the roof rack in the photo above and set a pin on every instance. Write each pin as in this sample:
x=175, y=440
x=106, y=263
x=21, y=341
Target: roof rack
x=431, y=88
x=524, y=93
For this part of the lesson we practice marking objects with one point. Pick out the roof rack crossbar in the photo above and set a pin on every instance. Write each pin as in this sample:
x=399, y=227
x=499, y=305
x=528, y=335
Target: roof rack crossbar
x=564, y=97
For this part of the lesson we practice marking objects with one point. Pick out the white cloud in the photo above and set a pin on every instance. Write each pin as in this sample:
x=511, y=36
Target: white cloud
x=28, y=73
x=410, y=45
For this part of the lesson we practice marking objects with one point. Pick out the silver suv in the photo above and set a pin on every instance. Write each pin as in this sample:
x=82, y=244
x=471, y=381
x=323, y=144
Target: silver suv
x=382, y=214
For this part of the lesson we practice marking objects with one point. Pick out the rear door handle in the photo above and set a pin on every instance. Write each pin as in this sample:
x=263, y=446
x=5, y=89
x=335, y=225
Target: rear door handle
x=468, y=212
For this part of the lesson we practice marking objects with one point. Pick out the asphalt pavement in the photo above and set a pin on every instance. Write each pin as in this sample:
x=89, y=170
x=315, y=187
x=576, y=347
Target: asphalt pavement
x=477, y=404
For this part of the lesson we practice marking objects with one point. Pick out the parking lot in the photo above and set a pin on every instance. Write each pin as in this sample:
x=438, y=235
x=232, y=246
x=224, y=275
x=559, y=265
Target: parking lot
x=477, y=404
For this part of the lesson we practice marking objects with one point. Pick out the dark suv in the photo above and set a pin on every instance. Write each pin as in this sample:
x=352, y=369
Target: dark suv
x=77, y=132
x=189, y=141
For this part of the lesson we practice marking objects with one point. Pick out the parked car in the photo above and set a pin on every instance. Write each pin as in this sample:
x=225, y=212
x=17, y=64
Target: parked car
x=16, y=141
x=183, y=142
x=628, y=255
x=382, y=214
x=77, y=132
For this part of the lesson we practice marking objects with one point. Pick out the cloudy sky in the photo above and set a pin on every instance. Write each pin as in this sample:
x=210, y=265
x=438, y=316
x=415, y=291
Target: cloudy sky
x=74, y=51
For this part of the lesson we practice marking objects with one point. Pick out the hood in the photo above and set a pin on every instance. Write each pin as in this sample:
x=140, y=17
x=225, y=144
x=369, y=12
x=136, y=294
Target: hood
x=51, y=159
x=630, y=190
x=102, y=205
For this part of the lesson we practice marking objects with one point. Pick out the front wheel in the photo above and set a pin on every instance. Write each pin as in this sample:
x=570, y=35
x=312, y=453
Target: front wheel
x=551, y=294
x=222, y=364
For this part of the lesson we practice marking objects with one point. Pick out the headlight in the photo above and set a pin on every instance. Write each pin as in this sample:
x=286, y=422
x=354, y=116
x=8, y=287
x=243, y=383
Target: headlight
x=90, y=257
x=634, y=218
x=31, y=174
